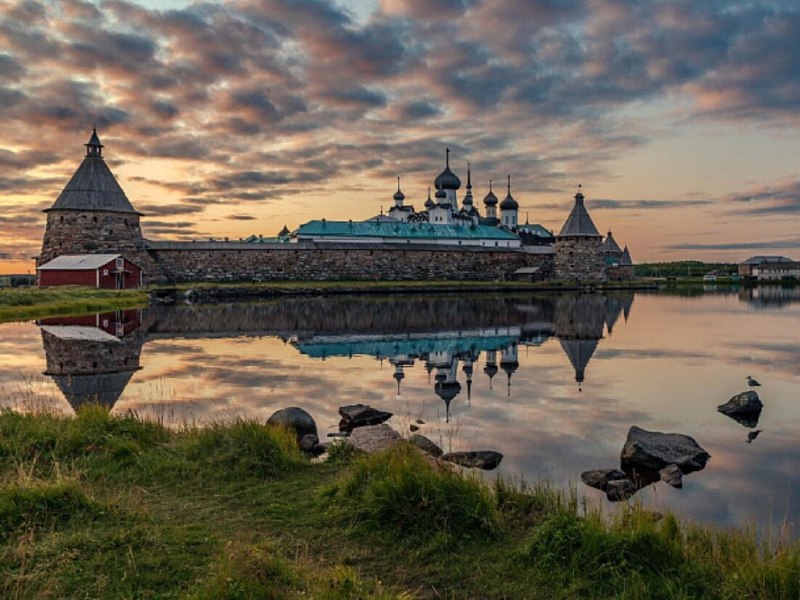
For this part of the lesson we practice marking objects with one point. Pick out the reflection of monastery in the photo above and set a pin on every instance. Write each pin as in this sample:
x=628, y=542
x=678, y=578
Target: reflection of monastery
x=460, y=341
x=448, y=238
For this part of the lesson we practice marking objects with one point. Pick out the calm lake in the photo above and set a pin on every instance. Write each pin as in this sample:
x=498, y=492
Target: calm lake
x=552, y=381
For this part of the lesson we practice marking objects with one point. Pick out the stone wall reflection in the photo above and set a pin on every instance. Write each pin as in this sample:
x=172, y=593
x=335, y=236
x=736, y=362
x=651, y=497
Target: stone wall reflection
x=92, y=359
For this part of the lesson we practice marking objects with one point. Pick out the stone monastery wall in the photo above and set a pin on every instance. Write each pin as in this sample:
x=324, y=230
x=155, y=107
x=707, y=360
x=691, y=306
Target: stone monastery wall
x=186, y=261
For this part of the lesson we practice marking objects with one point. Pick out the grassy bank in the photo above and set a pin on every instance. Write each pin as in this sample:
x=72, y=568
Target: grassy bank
x=106, y=507
x=17, y=304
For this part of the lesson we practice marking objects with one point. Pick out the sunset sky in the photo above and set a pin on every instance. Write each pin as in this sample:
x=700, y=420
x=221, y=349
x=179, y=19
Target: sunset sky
x=681, y=119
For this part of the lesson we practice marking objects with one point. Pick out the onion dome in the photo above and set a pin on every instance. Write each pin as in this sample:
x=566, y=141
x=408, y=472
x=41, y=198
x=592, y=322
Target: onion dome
x=93, y=186
x=429, y=204
x=398, y=195
x=447, y=180
x=508, y=202
x=440, y=195
x=490, y=199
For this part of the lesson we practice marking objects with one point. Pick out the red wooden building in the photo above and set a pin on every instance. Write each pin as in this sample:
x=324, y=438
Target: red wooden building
x=107, y=271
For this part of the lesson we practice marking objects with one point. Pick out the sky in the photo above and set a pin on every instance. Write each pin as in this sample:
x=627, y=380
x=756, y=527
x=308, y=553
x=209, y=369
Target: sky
x=680, y=119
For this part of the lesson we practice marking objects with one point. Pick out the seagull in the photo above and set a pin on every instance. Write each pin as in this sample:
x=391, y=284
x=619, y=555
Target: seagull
x=752, y=435
x=752, y=382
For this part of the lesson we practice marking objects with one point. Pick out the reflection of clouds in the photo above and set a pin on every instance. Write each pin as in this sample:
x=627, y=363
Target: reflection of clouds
x=665, y=369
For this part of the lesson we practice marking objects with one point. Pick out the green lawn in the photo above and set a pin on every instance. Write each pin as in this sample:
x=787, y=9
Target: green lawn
x=113, y=507
x=18, y=304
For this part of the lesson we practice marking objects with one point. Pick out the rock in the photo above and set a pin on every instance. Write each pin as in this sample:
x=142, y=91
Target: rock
x=322, y=447
x=424, y=444
x=359, y=415
x=308, y=442
x=373, y=438
x=413, y=428
x=420, y=422
x=744, y=408
x=653, y=450
x=620, y=489
x=475, y=459
x=672, y=475
x=599, y=478
x=339, y=434
x=294, y=418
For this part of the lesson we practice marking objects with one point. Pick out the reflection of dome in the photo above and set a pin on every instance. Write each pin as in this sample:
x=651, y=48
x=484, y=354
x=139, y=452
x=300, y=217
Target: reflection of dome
x=447, y=390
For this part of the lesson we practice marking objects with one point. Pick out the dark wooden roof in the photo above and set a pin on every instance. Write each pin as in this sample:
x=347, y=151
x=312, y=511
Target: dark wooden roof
x=579, y=223
x=93, y=187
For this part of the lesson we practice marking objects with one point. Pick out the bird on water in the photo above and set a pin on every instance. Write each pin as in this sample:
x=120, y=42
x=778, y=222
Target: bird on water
x=752, y=382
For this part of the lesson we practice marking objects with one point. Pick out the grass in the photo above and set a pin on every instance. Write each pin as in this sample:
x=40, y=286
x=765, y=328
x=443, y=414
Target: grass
x=115, y=507
x=18, y=304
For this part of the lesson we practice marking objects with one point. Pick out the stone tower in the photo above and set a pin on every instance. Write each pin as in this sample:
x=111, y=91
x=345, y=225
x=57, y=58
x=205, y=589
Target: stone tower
x=92, y=215
x=579, y=247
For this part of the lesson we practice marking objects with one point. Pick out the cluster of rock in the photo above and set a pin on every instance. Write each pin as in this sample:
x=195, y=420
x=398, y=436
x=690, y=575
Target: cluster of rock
x=648, y=457
x=364, y=428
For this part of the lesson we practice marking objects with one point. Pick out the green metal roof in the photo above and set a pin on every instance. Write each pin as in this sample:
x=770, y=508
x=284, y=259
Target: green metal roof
x=415, y=347
x=535, y=229
x=399, y=229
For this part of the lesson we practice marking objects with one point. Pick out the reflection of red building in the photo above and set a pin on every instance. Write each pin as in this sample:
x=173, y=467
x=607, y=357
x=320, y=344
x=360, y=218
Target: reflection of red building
x=118, y=323
x=106, y=271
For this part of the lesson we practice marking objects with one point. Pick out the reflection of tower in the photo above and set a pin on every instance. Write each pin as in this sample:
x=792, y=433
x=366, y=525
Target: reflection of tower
x=579, y=325
x=613, y=311
x=509, y=362
x=626, y=299
x=399, y=364
x=86, y=359
x=490, y=368
x=446, y=386
x=468, y=360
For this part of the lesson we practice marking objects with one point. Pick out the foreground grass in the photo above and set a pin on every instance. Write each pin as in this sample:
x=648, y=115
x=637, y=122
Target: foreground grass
x=17, y=304
x=106, y=507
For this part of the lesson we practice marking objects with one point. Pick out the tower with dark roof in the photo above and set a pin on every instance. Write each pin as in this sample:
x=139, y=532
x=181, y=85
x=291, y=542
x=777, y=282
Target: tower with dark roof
x=579, y=247
x=509, y=209
x=92, y=215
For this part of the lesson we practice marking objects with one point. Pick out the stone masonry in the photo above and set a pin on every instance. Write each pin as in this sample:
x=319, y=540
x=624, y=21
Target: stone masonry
x=580, y=258
x=93, y=232
x=187, y=261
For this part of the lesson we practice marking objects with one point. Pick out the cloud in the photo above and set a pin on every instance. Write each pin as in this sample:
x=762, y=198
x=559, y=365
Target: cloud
x=264, y=100
x=780, y=198
x=608, y=204
x=779, y=244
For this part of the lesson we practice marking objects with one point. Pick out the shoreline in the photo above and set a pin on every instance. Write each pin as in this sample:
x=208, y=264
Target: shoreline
x=208, y=513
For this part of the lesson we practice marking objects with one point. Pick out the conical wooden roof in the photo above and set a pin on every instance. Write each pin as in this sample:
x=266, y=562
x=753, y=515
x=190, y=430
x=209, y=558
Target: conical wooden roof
x=579, y=223
x=93, y=187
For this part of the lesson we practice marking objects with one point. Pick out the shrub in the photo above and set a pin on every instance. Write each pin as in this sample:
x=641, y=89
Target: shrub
x=401, y=490
x=242, y=448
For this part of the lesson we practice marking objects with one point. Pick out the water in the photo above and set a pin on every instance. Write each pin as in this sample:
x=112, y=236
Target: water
x=552, y=381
